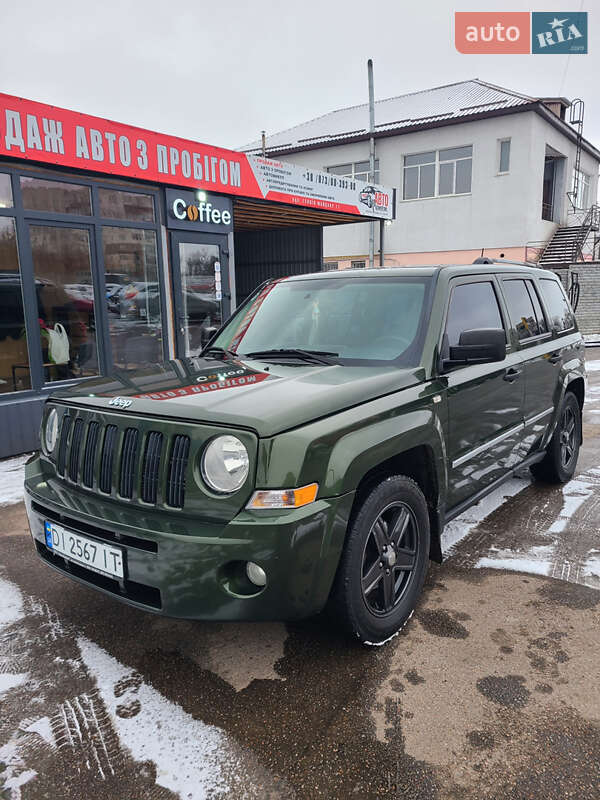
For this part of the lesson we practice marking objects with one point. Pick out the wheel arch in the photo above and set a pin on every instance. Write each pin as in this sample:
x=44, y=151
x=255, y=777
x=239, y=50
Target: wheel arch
x=576, y=385
x=418, y=463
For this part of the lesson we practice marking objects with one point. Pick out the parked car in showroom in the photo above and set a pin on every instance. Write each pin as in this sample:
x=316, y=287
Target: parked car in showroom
x=311, y=455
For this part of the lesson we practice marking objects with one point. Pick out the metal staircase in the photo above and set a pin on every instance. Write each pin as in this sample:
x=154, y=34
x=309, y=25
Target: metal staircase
x=568, y=245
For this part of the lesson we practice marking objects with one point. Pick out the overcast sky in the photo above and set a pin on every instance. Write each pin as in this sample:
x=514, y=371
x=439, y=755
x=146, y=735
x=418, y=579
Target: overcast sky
x=220, y=72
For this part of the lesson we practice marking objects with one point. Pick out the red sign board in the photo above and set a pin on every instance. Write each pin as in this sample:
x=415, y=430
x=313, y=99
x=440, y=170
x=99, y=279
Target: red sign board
x=44, y=133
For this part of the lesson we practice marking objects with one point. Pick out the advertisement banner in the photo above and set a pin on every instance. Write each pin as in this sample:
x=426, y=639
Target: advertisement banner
x=51, y=135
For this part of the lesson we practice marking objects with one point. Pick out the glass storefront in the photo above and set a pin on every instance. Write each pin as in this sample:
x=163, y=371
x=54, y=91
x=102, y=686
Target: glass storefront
x=80, y=280
x=62, y=268
x=132, y=296
x=55, y=196
x=14, y=362
x=201, y=310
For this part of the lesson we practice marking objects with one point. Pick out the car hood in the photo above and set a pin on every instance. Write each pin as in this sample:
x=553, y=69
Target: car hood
x=265, y=397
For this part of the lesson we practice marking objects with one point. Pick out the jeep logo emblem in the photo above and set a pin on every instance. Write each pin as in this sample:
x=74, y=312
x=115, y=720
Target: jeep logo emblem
x=120, y=402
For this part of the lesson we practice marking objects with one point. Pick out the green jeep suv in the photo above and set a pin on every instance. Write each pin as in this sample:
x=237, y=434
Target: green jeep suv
x=310, y=455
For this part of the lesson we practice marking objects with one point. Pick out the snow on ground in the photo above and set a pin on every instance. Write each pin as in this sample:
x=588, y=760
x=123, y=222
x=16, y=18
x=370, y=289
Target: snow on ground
x=192, y=759
x=458, y=528
x=12, y=475
x=592, y=366
x=551, y=559
x=189, y=755
x=11, y=604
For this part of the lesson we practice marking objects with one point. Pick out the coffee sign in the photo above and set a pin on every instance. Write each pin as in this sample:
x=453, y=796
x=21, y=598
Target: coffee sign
x=199, y=211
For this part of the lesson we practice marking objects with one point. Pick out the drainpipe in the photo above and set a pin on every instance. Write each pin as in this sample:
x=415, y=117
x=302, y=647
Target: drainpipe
x=371, y=156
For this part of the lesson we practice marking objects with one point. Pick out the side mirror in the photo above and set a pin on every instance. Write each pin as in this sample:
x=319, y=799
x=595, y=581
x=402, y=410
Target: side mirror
x=478, y=347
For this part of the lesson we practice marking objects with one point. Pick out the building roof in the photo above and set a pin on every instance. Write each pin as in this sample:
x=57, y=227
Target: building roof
x=441, y=105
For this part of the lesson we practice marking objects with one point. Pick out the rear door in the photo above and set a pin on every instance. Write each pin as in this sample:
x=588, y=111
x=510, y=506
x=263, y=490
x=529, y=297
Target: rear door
x=485, y=401
x=542, y=358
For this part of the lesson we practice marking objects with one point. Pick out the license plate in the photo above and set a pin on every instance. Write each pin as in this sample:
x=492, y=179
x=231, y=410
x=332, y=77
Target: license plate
x=92, y=554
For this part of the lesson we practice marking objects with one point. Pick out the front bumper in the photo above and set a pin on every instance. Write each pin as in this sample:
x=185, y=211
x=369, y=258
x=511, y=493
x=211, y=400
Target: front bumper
x=181, y=567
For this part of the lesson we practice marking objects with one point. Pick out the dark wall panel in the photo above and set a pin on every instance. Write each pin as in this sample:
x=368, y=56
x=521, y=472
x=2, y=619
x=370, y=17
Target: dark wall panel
x=275, y=254
x=20, y=426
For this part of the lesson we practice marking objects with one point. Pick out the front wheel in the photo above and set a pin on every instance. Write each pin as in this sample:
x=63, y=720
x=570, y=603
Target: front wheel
x=384, y=562
x=562, y=452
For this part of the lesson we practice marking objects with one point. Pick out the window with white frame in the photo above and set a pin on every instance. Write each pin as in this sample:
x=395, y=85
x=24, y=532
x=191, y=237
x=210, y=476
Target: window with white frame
x=438, y=173
x=358, y=170
x=581, y=181
x=503, y=156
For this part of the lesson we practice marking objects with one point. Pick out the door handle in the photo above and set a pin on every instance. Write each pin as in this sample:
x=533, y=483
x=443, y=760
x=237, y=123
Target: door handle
x=554, y=358
x=511, y=374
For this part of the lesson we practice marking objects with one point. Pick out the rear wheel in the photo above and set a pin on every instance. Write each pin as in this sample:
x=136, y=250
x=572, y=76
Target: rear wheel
x=562, y=452
x=383, y=565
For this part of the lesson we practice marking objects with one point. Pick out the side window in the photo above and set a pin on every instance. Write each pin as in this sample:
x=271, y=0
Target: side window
x=520, y=309
x=541, y=320
x=472, y=306
x=559, y=310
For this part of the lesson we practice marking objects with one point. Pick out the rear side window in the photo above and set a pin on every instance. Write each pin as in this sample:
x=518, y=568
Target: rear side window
x=521, y=309
x=559, y=310
x=472, y=306
x=541, y=320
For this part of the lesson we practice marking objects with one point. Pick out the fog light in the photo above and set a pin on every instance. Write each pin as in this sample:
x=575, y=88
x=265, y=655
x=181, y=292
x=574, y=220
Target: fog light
x=256, y=574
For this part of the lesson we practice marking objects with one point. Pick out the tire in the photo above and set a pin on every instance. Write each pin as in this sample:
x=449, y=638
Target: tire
x=562, y=452
x=375, y=591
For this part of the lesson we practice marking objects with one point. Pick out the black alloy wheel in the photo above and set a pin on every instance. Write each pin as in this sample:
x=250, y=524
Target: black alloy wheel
x=389, y=558
x=383, y=565
x=560, y=460
x=568, y=427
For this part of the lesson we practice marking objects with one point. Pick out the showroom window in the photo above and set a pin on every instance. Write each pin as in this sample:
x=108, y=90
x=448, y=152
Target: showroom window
x=437, y=173
x=80, y=284
x=55, y=196
x=14, y=362
x=132, y=296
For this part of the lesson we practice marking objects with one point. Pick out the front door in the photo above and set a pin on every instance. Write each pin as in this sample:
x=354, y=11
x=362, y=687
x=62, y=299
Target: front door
x=485, y=401
x=202, y=300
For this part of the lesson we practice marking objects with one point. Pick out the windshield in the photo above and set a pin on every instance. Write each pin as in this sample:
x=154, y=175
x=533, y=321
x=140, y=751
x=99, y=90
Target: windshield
x=357, y=319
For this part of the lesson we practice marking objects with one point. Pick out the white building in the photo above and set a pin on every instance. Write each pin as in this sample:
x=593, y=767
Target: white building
x=475, y=166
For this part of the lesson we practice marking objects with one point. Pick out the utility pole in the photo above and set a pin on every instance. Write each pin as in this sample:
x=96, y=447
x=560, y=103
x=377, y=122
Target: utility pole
x=371, y=156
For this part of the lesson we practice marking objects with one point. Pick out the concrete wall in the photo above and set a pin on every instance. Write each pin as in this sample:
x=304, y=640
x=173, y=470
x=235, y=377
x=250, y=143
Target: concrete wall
x=588, y=310
x=501, y=212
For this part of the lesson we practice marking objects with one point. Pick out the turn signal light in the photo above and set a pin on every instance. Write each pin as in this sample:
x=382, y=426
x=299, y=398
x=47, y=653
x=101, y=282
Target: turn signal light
x=284, y=498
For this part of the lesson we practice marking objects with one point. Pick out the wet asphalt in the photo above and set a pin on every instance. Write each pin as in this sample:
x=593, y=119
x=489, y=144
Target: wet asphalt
x=490, y=691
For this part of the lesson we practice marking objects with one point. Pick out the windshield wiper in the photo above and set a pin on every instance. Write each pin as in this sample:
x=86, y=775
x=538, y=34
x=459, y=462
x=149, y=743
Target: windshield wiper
x=312, y=356
x=218, y=351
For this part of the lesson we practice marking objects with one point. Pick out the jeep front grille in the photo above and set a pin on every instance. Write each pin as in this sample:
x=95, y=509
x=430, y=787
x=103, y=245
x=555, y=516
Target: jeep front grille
x=75, y=450
x=128, y=462
x=180, y=451
x=125, y=462
x=154, y=443
x=89, y=455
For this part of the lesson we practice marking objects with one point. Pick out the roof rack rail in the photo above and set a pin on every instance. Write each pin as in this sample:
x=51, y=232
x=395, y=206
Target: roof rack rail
x=487, y=260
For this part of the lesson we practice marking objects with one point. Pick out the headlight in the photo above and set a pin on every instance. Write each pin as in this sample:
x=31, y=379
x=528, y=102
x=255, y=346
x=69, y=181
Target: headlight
x=225, y=464
x=50, y=434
